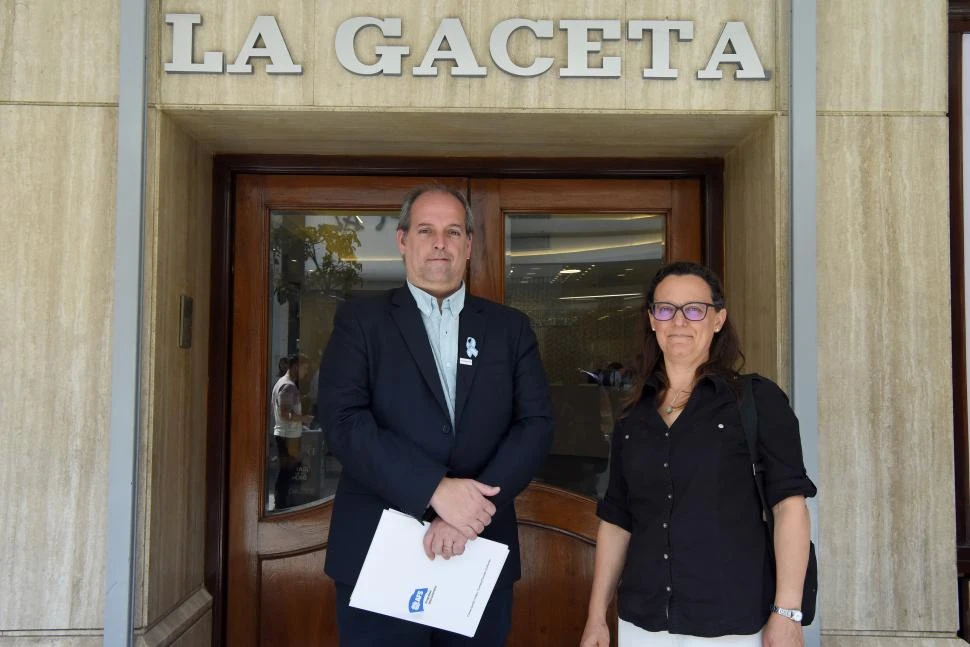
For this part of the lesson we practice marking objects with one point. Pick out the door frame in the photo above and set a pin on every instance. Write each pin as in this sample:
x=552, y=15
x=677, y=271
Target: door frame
x=224, y=172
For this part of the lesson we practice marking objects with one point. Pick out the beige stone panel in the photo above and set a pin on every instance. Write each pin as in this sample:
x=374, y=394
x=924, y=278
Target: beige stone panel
x=891, y=641
x=146, y=367
x=51, y=641
x=755, y=249
x=781, y=73
x=175, y=410
x=783, y=243
x=52, y=50
x=882, y=55
x=335, y=86
x=345, y=132
x=687, y=92
x=224, y=28
x=58, y=165
x=180, y=624
x=199, y=635
x=885, y=401
x=502, y=90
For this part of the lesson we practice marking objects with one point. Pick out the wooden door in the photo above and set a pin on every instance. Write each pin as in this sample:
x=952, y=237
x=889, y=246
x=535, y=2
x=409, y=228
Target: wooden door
x=574, y=255
x=278, y=518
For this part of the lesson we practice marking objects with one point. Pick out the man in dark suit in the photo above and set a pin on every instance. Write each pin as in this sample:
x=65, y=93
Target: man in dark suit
x=436, y=404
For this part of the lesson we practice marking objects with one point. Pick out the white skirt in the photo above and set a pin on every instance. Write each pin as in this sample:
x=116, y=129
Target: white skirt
x=631, y=635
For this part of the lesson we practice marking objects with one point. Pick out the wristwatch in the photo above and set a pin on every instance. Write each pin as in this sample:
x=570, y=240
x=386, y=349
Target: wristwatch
x=794, y=615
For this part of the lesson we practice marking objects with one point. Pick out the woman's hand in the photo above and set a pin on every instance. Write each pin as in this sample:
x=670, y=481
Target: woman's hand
x=782, y=632
x=596, y=634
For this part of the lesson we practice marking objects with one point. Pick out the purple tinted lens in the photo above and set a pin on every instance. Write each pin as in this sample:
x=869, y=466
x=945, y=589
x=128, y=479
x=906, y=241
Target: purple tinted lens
x=664, y=311
x=695, y=311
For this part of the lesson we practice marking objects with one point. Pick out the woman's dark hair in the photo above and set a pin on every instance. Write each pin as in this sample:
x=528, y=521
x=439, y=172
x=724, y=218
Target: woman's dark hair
x=725, y=358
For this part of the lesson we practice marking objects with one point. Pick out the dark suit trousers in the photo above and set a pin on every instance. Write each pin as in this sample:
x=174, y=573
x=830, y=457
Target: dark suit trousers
x=360, y=628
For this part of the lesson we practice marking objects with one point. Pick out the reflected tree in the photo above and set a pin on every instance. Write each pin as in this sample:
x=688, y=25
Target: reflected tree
x=314, y=259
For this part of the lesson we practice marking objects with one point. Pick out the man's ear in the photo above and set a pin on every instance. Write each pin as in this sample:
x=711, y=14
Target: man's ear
x=400, y=234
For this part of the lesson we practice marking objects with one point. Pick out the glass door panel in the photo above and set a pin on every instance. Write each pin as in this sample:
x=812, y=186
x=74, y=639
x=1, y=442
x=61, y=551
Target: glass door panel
x=580, y=278
x=318, y=259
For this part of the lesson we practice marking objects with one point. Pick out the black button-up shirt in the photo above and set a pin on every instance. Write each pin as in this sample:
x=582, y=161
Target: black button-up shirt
x=698, y=561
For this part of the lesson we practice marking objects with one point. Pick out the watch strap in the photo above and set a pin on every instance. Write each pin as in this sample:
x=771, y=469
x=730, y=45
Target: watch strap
x=795, y=615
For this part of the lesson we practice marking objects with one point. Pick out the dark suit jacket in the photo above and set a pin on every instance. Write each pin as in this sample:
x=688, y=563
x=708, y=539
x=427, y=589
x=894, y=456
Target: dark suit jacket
x=385, y=418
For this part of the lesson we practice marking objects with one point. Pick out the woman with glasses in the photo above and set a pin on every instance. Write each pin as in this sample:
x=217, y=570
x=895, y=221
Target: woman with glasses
x=681, y=530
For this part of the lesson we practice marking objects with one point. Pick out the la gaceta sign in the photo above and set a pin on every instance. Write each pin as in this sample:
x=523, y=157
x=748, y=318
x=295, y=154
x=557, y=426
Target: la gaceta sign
x=450, y=42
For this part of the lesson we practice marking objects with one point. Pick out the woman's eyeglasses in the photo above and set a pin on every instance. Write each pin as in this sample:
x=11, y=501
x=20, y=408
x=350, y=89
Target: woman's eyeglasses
x=693, y=311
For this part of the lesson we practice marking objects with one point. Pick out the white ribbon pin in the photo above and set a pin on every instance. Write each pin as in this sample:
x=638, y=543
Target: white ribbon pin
x=470, y=350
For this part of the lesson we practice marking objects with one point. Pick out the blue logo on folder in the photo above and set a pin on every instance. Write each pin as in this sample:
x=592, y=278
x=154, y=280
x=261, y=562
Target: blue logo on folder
x=416, y=605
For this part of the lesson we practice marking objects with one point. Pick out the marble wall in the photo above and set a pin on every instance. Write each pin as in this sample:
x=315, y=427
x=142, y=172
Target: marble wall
x=885, y=399
x=756, y=248
x=57, y=162
x=177, y=257
x=58, y=124
x=57, y=159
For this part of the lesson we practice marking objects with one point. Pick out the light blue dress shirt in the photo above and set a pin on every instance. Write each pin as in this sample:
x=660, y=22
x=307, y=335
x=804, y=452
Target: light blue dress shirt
x=441, y=325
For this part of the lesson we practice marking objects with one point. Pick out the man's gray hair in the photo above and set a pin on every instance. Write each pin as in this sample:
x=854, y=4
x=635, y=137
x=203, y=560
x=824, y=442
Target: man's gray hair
x=404, y=222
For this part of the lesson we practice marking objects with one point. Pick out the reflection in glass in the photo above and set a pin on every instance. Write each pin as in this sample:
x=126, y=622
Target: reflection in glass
x=318, y=259
x=580, y=278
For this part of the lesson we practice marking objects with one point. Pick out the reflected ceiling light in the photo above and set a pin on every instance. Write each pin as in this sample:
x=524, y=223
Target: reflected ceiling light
x=599, y=296
x=590, y=248
x=569, y=271
x=584, y=216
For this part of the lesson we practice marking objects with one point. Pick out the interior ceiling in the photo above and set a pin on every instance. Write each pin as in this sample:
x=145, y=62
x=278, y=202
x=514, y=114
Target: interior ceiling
x=466, y=134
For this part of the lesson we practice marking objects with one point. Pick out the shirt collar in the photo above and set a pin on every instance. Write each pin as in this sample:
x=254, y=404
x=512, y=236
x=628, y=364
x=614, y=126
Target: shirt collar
x=428, y=303
x=716, y=381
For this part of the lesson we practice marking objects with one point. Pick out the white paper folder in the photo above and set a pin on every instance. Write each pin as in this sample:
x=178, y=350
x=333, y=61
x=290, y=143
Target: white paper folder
x=397, y=578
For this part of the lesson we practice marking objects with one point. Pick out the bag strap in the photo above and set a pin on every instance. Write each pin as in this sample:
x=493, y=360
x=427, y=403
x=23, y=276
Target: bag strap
x=749, y=420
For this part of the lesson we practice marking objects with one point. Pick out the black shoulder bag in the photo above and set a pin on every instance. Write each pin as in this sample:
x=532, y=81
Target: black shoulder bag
x=749, y=420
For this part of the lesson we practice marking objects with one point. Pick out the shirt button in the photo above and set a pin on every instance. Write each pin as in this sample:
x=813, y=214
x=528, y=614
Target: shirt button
x=626, y=436
x=669, y=589
x=665, y=524
x=666, y=556
x=666, y=465
x=445, y=429
x=720, y=425
x=670, y=496
x=666, y=434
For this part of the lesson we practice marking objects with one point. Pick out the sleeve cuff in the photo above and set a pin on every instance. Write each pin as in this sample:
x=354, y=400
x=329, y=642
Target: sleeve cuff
x=614, y=514
x=781, y=490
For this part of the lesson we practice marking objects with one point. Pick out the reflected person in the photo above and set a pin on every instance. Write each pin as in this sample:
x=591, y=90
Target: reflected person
x=436, y=404
x=288, y=422
x=681, y=528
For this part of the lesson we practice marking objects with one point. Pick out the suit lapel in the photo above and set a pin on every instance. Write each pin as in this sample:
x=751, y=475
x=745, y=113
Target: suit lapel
x=471, y=326
x=408, y=319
